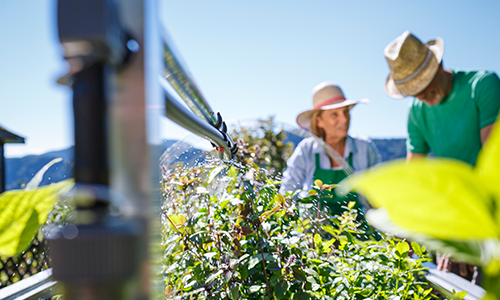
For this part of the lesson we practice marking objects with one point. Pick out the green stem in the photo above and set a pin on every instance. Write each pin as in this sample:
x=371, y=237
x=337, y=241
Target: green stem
x=264, y=265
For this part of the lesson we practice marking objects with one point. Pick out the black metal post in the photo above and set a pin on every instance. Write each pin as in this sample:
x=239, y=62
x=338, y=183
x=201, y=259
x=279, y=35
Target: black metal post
x=100, y=260
x=90, y=115
x=2, y=168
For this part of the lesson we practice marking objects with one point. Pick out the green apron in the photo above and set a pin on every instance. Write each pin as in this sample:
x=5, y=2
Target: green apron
x=335, y=202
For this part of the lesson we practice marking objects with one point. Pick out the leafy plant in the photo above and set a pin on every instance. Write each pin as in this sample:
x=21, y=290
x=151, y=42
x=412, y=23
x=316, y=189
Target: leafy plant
x=447, y=204
x=229, y=234
x=23, y=211
x=263, y=145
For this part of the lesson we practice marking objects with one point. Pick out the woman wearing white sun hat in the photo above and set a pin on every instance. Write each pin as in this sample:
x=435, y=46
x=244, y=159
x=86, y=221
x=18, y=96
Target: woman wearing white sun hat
x=312, y=159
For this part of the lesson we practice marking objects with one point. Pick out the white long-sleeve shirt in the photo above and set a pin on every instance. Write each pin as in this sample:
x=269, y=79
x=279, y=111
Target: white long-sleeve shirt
x=301, y=165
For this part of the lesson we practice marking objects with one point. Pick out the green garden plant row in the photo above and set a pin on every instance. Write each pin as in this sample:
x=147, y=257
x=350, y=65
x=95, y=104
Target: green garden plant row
x=229, y=234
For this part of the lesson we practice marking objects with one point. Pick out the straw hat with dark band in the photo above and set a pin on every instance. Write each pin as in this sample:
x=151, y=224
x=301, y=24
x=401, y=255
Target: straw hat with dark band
x=326, y=95
x=412, y=64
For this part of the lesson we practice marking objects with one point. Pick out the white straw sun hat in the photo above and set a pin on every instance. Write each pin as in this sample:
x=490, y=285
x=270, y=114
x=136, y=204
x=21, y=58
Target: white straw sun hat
x=412, y=64
x=326, y=95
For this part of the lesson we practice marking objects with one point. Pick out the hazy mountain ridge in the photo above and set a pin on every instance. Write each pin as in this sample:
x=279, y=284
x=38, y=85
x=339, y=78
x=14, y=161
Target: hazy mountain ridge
x=19, y=171
x=391, y=149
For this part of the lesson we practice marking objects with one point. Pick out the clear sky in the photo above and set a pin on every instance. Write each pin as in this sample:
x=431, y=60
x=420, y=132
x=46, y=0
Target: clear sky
x=251, y=59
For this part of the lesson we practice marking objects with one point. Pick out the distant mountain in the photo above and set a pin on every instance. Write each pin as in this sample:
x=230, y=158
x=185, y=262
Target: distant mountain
x=391, y=149
x=19, y=171
x=180, y=151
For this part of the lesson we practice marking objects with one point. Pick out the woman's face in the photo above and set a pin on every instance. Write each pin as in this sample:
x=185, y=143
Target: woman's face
x=335, y=122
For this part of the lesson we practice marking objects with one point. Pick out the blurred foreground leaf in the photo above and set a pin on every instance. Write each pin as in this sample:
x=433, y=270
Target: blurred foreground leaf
x=440, y=198
x=22, y=212
x=488, y=169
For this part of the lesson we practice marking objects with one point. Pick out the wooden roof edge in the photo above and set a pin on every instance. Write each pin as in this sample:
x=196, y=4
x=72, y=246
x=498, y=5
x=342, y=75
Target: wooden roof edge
x=7, y=136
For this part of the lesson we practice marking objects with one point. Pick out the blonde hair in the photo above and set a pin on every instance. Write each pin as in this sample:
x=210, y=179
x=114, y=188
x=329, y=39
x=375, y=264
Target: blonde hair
x=319, y=132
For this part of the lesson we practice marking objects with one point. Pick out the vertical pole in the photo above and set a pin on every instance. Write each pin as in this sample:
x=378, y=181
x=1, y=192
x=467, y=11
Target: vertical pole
x=89, y=104
x=135, y=111
x=116, y=146
x=2, y=168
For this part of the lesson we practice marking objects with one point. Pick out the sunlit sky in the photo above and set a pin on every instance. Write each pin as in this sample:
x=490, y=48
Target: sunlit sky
x=251, y=59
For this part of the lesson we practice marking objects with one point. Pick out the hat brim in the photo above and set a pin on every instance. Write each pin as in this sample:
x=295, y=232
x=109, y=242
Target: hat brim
x=304, y=118
x=391, y=89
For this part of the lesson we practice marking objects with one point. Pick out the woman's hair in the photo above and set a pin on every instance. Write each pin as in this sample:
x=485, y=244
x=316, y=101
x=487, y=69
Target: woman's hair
x=319, y=132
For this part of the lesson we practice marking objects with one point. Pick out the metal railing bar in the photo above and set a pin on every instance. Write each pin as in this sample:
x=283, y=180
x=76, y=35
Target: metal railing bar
x=191, y=122
x=40, y=285
x=177, y=74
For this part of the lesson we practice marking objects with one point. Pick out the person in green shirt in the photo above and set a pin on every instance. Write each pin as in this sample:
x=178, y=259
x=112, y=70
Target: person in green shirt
x=453, y=111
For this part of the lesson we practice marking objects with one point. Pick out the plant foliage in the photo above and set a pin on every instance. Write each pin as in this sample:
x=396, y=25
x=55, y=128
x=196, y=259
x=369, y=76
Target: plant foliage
x=229, y=234
x=263, y=145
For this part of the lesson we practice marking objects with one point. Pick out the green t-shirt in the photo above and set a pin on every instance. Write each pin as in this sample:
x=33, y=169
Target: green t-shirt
x=452, y=128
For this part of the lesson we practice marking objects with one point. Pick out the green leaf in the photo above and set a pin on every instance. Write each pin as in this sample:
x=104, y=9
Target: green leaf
x=255, y=288
x=280, y=288
x=429, y=290
x=327, y=246
x=209, y=255
x=488, y=166
x=243, y=257
x=460, y=295
x=253, y=262
x=234, y=292
x=213, y=276
x=467, y=251
x=350, y=238
x=311, y=272
x=178, y=220
x=17, y=237
x=215, y=171
x=402, y=249
x=330, y=230
x=416, y=248
x=243, y=272
x=299, y=275
x=22, y=212
x=232, y=172
x=317, y=240
x=29, y=232
x=224, y=204
x=329, y=243
x=415, y=193
x=301, y=296
x=273, y=267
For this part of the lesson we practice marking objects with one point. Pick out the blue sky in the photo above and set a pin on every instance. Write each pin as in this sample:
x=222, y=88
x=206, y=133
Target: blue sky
x=251, y=59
